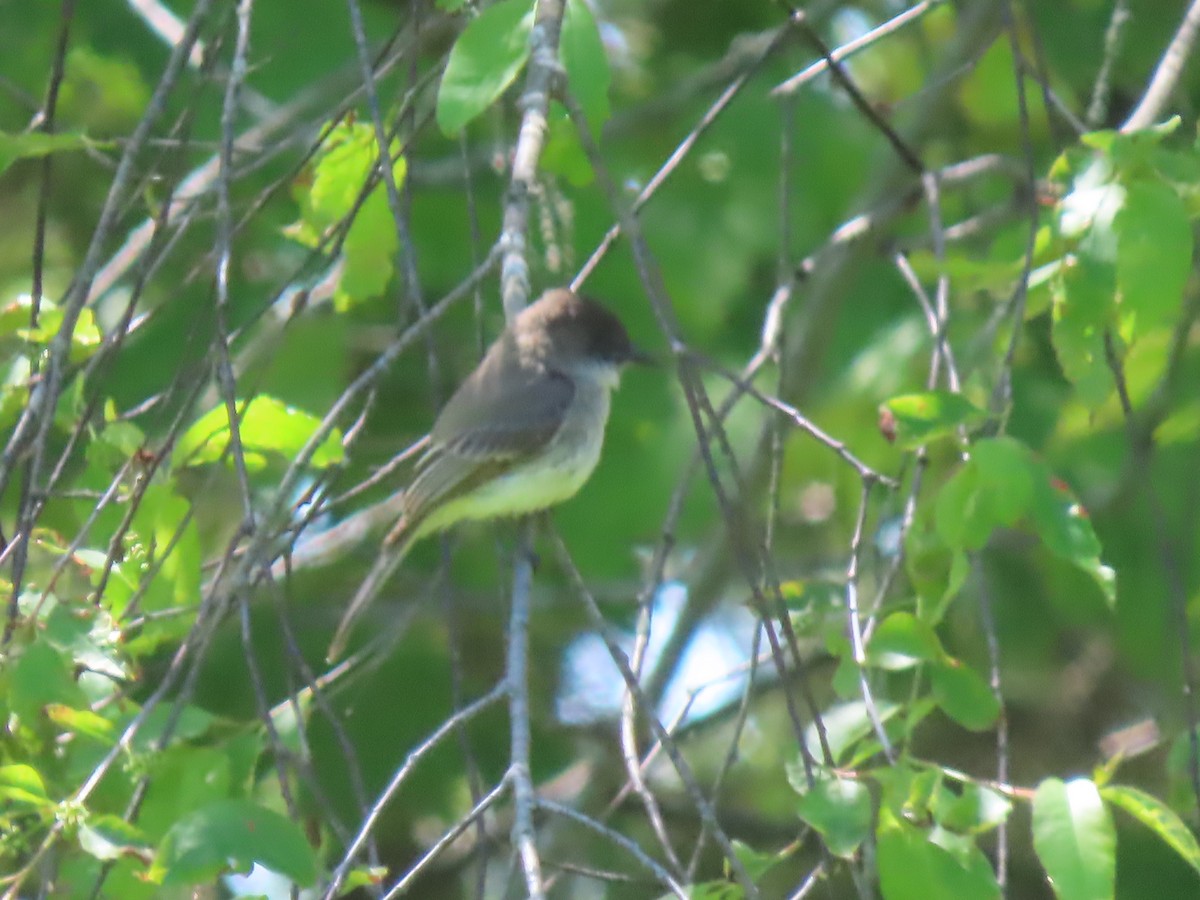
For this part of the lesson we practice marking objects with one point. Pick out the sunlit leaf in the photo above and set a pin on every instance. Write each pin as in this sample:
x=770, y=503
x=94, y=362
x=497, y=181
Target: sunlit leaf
x=924, y=417
x=340, y=172
x=81, y=721
x=267, y=425
x=1158, y=817
x=1075, y=840
x=23, y=784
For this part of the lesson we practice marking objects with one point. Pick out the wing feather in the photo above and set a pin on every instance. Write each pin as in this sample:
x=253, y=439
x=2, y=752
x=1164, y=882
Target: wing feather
x=525, y=407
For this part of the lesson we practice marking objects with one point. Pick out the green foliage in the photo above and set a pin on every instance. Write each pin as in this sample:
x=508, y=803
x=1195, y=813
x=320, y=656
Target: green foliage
x=167, y=716
x=919, y=419
x=1123, y=233
x=486, y=59
x=840, y=810
x=265, y=426
x=35, y=144
x=341, y=172
x=232, y=835
x=1074, y=837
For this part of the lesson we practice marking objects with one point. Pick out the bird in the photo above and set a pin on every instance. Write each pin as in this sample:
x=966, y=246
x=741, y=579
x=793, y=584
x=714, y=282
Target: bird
x=522, y=433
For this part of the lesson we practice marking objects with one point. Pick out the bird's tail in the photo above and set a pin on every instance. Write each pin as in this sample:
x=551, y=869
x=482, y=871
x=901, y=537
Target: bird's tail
x=391, y=554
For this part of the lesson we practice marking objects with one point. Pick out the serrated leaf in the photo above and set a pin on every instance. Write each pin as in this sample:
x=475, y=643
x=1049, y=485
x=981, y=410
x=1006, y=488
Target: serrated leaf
x=267, y=425
x=231, y=836
x=348, y=156
x=840, y=810
x=1075, y=840
x=483, y=62
x=1158, y=817
x=929, y=415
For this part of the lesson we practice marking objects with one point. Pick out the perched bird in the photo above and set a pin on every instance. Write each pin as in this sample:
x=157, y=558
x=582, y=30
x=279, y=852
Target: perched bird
x=521, y=434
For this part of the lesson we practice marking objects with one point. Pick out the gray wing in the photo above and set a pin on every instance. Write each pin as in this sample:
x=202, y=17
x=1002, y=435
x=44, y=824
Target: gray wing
x=525, y=408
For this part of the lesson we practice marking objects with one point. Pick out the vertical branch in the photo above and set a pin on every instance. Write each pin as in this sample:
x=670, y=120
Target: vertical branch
x=535, y=105
x=517, y=679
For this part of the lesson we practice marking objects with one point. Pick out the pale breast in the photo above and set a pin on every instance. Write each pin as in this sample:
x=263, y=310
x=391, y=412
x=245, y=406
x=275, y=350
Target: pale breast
x=555, y=475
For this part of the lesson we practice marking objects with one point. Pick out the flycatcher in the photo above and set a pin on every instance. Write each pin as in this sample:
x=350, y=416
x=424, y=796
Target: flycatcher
x=521, y=434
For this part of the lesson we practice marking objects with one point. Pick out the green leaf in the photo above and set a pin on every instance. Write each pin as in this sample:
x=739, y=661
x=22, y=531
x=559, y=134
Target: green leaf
x=563, y=154
x=845, y=725
x=913, y=867
x=35, y=143
x=977, y=809
x=81, y=721
x=586, y=63
x=1064, y=527
x=23, y=784
x=483, y=62
x=1075, y=840
x=267, y=426
x=110, y=837
x=958, y=524
x=902, y=641
x=1158, y=817
x=41, y=676
x=1154, y=257
x=758, y=862
x=924, y=417
x=1084, y=302
x=369, y=250
x=233, y=835
x=963, y=695
x=991, y=491
x=1087, y=213
x=348, y=156
x=840, y=810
